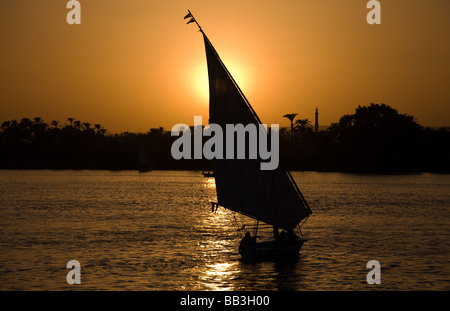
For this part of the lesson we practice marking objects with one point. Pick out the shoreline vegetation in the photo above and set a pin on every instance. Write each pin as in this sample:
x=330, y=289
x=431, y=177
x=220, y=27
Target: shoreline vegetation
x=375, y=139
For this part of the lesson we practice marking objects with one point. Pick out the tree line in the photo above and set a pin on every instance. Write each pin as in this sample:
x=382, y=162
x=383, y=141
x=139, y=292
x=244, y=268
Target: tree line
x=375, y=139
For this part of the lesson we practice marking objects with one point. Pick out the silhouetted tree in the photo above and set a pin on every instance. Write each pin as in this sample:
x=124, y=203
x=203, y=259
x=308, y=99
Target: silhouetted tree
x=291, y=117
x=378, y=138
x=302, y=125
x=38, y=127
x=55, y=124
x=70, y=120
x=77, y=125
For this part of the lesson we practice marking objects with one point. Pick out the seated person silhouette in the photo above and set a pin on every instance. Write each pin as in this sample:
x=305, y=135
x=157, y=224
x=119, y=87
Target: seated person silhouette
x=246, y=240
x=282, y=238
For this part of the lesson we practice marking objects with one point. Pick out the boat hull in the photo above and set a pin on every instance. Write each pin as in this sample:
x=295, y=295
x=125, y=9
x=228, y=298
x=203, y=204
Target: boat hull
x=270, y=249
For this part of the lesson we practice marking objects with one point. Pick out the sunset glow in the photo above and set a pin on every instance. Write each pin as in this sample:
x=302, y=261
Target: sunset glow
x=135, y=65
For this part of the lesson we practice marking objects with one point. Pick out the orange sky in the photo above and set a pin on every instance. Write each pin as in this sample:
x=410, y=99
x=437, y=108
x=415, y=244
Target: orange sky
x=132, y=65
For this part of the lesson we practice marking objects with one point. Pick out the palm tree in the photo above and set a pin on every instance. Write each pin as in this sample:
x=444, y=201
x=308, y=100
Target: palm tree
x=39, y=126
x=11, y=130
x=70, y=121
x=77, y=124
x=6, y=128
x=6, y=125
x=291, y=117
x=303, y=125
x=25, y=123
x=99, y=129
x=87, y=125
x=25, y=129
x=55, y=124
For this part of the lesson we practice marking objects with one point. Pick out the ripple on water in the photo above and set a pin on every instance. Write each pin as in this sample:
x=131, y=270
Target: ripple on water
x=156, y=231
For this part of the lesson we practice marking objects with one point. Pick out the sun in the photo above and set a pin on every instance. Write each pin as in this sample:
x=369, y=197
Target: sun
x=240, y=74
x=199, y=84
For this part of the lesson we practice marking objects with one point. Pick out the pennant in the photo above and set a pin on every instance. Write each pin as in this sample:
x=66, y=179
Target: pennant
x=188, y=15
x=191, y=20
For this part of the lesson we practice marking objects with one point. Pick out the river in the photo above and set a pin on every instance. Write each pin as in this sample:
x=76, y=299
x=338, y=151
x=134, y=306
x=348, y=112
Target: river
x=156, y=231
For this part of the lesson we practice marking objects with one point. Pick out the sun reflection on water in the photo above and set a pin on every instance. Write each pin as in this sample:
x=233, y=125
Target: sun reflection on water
x=218, y=247
x=210, y=182
x=219, y=276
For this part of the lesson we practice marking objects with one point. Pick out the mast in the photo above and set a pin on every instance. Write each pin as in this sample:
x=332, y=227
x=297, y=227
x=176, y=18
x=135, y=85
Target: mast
x=193, y=20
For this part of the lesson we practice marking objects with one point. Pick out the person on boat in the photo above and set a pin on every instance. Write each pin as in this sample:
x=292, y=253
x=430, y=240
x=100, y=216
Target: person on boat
x=276, y=234
x=292, y=238
x=246, y=240
x=282, y=238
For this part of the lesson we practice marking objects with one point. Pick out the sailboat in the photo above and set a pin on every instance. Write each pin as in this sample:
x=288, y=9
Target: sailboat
x=268, y=196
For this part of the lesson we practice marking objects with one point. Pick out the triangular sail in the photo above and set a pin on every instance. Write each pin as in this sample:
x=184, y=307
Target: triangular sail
x=270, y=196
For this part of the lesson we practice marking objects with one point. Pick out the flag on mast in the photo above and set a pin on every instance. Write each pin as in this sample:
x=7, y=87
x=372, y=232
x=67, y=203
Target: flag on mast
x=192, y=20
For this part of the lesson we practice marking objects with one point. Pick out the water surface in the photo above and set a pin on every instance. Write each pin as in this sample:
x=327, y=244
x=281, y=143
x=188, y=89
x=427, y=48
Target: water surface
x=156, y=231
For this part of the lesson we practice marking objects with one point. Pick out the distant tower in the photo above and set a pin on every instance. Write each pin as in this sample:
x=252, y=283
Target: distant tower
x=316, y=125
